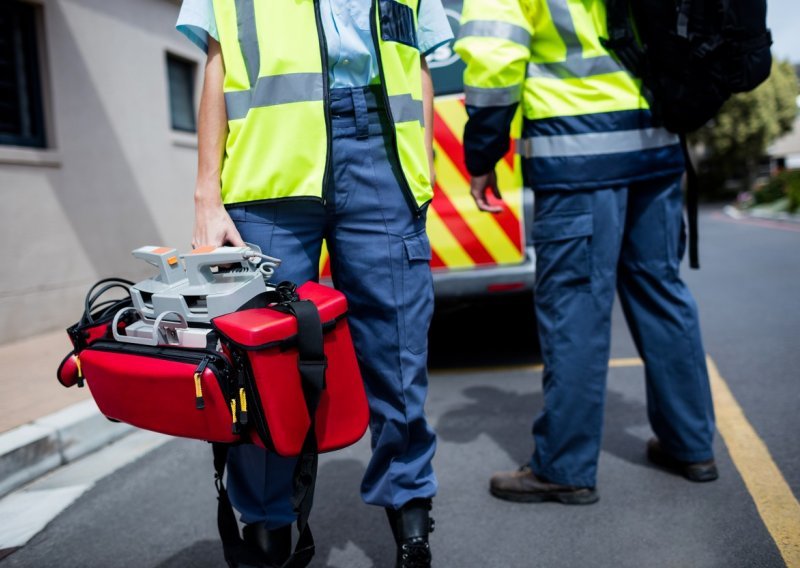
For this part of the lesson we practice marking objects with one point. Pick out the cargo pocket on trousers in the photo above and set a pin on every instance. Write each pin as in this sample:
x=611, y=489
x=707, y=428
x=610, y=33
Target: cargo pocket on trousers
x=563, y=251
x=417, y=291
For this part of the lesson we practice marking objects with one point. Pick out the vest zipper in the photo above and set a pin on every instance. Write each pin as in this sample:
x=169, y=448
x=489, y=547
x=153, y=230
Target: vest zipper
x=326, y=100
x=409, y=195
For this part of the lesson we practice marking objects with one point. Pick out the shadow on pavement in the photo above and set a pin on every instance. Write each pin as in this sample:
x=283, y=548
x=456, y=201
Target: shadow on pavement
x=507, y=416
x=346, y=522
x=201, y=554
x=340, y=520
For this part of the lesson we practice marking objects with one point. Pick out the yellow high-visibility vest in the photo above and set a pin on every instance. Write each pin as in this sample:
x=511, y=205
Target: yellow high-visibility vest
x=579, y=103
x=276, y=87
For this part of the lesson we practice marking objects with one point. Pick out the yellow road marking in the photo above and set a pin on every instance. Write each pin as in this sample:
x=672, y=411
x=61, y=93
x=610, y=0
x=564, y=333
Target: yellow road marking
x=774, y=500
x=619, y=362
x=773, y=497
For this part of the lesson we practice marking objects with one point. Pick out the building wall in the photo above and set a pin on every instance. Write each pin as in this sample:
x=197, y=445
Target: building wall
x=787, y=148
x=115, y=177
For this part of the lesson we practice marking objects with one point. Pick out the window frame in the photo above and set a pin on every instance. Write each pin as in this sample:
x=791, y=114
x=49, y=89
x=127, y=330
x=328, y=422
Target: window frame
x=34, y=68
x=172, y=57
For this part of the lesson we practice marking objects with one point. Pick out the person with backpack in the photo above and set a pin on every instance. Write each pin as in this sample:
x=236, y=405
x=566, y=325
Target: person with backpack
x=315, y=123
x=608, y=218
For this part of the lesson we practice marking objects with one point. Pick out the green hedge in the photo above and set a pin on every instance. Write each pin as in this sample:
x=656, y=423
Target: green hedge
x=785, y=184
x=793, y=192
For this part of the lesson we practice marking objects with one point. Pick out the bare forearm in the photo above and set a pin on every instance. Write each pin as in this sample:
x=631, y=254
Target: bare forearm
x=212, y=224
x=212, y=129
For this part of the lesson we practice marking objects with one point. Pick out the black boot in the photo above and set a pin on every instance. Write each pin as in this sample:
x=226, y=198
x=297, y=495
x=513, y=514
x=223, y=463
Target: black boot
x=411, y=525
x=273, y=546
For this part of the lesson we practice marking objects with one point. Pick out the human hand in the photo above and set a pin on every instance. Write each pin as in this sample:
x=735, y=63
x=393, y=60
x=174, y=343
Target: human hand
x=213, y=225
x=478, y=186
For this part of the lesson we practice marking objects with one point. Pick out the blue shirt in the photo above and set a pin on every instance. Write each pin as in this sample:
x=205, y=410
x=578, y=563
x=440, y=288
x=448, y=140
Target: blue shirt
x=351, y=54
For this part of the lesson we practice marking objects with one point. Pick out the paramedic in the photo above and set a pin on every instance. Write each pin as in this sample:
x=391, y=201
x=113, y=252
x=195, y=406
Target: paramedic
x=608, y=216
x=313, y=125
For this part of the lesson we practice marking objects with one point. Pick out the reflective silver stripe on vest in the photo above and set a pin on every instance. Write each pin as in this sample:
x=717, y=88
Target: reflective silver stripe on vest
x=275, y=90
x=575, y=68
x=406, y=109
x=490, y=97
x=496, y=29
x=248, y=38
x=562, y=19
x=595, y=143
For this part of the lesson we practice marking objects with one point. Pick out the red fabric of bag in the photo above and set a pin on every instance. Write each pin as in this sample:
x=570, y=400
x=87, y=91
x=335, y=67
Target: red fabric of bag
x=281, y=417
x=155, y=393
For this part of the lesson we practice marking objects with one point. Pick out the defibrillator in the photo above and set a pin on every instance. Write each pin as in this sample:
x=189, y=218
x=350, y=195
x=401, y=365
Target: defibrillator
x=210, y=348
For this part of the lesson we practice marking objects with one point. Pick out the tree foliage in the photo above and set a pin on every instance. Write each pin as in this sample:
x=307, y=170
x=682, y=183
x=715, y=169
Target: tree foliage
x=749, y=122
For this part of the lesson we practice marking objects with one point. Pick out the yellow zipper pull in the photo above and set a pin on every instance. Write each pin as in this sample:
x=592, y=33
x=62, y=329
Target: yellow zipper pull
x=242, y=407
x=235, y=428
x=198, y=392
x=80, y=371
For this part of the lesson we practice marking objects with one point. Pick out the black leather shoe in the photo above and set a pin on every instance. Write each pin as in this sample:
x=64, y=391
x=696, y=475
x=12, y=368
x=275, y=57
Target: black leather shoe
x=411, y=525
x=273, y=546
x=522, y=486
x=693, y=471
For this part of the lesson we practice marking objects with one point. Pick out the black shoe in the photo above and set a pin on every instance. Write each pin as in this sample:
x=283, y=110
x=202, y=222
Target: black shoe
x=411, y=525
x=693, y=471
x=522, y=486
x=272, y=547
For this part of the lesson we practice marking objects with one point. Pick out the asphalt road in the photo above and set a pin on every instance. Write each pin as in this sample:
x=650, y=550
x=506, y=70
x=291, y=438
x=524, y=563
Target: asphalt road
x=485, y=389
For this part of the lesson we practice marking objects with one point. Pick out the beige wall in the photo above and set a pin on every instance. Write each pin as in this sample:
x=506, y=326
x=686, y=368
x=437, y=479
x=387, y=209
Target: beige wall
x=116, y=176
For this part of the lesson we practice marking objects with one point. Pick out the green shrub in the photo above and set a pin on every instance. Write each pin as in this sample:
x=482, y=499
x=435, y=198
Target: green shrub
x=785, y=184
x=793, y=190
x=773, y=190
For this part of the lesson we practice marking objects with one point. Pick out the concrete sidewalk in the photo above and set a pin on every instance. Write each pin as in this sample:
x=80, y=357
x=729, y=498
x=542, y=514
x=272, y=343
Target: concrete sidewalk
x=42, y=424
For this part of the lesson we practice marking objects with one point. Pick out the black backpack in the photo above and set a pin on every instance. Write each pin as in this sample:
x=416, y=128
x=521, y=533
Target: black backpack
x=691, y=55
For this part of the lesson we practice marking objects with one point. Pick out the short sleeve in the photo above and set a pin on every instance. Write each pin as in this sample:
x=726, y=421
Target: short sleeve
x=197, y=22
x=434, y=28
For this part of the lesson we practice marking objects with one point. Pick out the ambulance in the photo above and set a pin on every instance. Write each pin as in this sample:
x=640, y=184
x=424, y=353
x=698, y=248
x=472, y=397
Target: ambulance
x=474, y=254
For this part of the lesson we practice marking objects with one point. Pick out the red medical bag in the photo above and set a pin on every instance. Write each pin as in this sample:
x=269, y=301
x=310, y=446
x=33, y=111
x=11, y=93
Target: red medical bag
x=217, y=396
x=267, y=373
x=167, y=389
x=172, y=390
x=263, y=342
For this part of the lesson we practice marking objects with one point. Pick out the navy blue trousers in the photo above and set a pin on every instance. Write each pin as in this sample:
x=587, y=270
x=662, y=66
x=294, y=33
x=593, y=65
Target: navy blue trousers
x=590, y=244
x=380, y=260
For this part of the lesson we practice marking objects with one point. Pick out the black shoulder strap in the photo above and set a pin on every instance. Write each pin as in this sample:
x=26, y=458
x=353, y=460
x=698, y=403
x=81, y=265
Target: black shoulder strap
x=622, y=38
x=232, y=544
x=312, y=364
x=692, y=193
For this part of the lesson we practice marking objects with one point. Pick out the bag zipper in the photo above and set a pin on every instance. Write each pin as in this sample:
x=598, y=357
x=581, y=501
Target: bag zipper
x=205, y=359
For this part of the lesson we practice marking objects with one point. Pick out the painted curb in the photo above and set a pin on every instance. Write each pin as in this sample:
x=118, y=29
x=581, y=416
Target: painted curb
x=31, y=450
